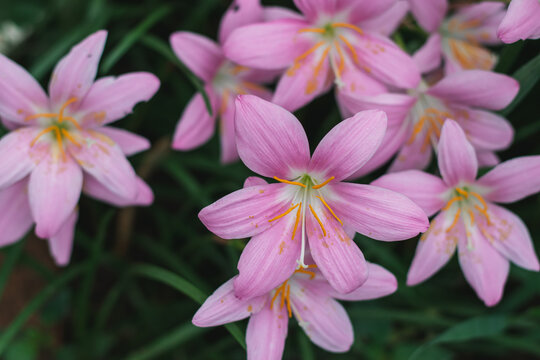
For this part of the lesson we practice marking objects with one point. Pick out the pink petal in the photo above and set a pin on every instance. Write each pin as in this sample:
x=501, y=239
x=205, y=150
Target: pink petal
x=412, y=155
x=271, y=13
x=521, y=21
x=254, y=181
x=487, y=158
x=270, y=140
x=388, y=22
x=429, y=14
x=354, y=83
x=54, y=190
x=299, y=87
x=18, y=158
x=97, y=190
x=365, y=10
x=512, y=180
x=104, y=160
x=435, y=248
x=477, y=88
x=200, y=54
x=313, y=9
x=75, y=73
x=239, y=13
x=386, y=61
x=380, y=283
x=484, y=268
x=223, y=307
x=20, y=94
x=509, y=235
x=379, y=213
x=229, y=153
x=429, y=56
x=271, y=45
x=129, y=142
x=337, y=256
x=10, y=125
x=196, y=125
x=16, y=218
x=266, y=333
x=349, y=145
x=457, y=158
x=61, y=243
x=112, y=98
x=269, y=259
x=323, y=319
x=245, y=212
x=424, y=189
x=486, y=130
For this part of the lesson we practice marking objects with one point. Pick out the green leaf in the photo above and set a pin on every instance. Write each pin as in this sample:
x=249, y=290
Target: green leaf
x=508, y=57
x=480, y=327
x=10, y=260
x=528, y=75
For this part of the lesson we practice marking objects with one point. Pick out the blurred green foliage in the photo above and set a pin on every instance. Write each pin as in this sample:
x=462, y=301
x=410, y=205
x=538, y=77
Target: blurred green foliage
x=137, y=276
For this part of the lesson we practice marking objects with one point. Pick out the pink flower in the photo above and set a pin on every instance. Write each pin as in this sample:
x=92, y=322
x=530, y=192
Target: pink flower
x=325, y=44
x=60, y=142
x=309, y=202
x=223, y=80
x=522, y=21
x=415, y=119
x=487, y=236
x=308, y=296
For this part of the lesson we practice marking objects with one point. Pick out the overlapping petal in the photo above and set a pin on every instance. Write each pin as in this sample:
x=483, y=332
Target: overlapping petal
x=520, y=21
x=129, y=142
x=16, y=217
x=266, y=333
x=380, y=282
x=486, y=130
x=61, y=243
x=97, y=190
x=429, y=56
x=239, y=13
x=429, y=14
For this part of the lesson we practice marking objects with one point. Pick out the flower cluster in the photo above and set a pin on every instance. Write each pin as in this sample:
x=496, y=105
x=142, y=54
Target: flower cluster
x=302, y=219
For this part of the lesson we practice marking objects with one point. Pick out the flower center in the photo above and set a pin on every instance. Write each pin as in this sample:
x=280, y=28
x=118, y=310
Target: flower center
x=309, y=189
x=284, y=290
x=60, y=127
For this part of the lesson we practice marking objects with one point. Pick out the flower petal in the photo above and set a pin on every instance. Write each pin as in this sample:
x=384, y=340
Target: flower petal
x=323, y=319
x=387, y=22
x=129, y=142
x=246, y=212
x=104, y=160
x=240, y=13
x=486, y=130
x=20, y=94
x=254, y=181
x=97, y=190
x=435, y=248
x=509, y=235
x=75, y=73
x=337, y=256
x=512, y=180
x=349, y=145
x=386, y=61
x=429, y=56
x=271, y=13
x=196, y=125
x=413, y=155
x=266, y=334
x=424, y=189
x=380, y=283
x=18, y=158
x=484, y=268
x=479, y=88
x=429, y=14
x=200, y=54
x=54, y=190
x=378, y=213
x=270, y=140
x=268, y=259
x=223, y=307
x=364, y=10
x=457, y=158
x=520, y=21
x=270, y=45
x=61, y=243
x=16, y=217
x=487, y=158
x=112, y=98
x=229, y=153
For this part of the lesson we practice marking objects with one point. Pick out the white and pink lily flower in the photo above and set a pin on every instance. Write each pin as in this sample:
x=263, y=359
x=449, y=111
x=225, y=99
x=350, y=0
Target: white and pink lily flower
x=60, y=145
x=307, y=296
x=522, y=21
x=487, y=236
x=309, y=202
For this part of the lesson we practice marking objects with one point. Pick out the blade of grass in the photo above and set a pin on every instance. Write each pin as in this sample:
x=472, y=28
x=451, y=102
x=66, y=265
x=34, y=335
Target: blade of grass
x=528, y=75
x=132, y=37
x=508, y=56
x=10, y=260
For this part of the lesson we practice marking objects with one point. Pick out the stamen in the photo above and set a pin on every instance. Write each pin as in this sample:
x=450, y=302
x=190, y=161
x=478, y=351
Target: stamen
x=70, y=137
x=302, y=271
x=278, y=291
x=66, y=104
x=73, y=121
x=462, y=192
x=351, y=49
x=285, y=213
x=296, y=221
x=348, y=26
x=452, y=201
x=318, y=67
x=471, y=214
x=289, y=300
x=329, y=209
x=480, y=198
x=45, y=115
x=318, y=220
x=483, y=212
x=341, y=60
x=324, y=183
x=313, y=30
x=289, y=182
x=43, y=132
x=456, y=218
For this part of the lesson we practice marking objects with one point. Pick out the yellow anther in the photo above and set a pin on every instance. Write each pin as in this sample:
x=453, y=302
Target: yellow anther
x=66, y=104
x=341, y=66
x=318, y=220
x=297, y=220
x=285, y=213
x=324, y=183
x=456, y=218
x=290, y=182
x=329, y=209
x=312, y=30
x=351, y=49
x=70, y=137
x=302, y=271
x=348, y=26
x=319, y=65
x=42, y=132
x=452, y=201
x=471, y=214
x=462, y=192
